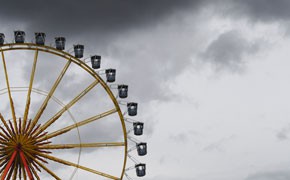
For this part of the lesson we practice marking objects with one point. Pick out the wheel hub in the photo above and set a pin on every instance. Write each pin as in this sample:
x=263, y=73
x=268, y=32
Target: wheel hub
x=21, y=145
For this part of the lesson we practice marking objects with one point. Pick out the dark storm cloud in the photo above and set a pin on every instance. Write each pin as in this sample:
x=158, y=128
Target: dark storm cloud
x=101, y=17
x=258, y=10
x=277, y=175
x=228, y=50
x=100, y=24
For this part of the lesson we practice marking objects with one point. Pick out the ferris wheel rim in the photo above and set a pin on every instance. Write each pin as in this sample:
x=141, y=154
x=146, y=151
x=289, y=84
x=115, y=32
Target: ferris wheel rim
x=84, y=66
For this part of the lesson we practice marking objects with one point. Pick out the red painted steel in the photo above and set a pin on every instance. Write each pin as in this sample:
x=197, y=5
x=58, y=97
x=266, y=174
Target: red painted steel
x=9, y=165
x=25, y=165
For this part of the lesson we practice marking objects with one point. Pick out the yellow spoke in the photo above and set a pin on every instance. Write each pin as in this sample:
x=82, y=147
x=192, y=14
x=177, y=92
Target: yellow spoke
x=44, y=104
x=61, y=161
x=83, y=145
x=5, y=124
x=34, y=172
x=65, y=108
x=28, y=99
x=15, y=171
x=81, y=123
x=23, y=171
x=19, y=171
x=3, y=136
x=10, y=172
x=9, y=91
x=35, y=166
x=47, y=170
x=3, y=165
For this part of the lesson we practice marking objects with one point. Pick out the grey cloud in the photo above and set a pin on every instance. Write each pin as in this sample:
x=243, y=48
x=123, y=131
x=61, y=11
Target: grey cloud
x=180, y=138
x=283, y=134
x=103, y=19
x=275, y=175
x=183, y=137
x=228, y=50
x=218, y=145
x=107, y=28
x=154, y=56
x=259, y=10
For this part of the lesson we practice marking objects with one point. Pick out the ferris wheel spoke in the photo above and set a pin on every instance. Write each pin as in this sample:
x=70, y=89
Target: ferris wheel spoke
x=2, y=164
x=64, y=162
x=35, y=174
x=9, y=91
x=35, y=157
x=5, y=137
x=47, y=170
x=6, y=125
x=23, y=172
x=19, y=172
x=82, y=145
x=81, y=123
x=35, y=166
x=10, y=172
x=66, y=107
x=44, y=104
x=15, y=170
x=5, y=132
x=28, y=98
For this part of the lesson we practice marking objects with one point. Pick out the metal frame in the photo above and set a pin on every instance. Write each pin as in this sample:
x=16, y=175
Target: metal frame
x=37, y=130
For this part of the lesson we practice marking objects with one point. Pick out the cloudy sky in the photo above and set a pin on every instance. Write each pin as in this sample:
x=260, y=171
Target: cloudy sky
x=211, y=77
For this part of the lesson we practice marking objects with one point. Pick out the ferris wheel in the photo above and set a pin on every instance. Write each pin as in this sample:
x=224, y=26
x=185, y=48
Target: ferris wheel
x=62, y=116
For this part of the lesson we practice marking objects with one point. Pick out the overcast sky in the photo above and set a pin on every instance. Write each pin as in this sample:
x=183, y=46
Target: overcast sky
x=211, y=77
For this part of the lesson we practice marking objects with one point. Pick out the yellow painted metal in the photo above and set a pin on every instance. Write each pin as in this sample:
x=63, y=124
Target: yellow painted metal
x=4, y=136
x=28, y=99
x=83, y=145
x=70, y=58
x=65, y=108
x=5, y=124
x=38, y=91
x=44, y=93
x=61, y=161
x=23, y=172
x=15, y=171
x=44, y=104
x=47, y=170
x=81, y=123
x=35, y=173
x=9, y=92
x=10, y=172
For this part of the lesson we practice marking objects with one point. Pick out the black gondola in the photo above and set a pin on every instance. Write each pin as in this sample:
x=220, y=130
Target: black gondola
x=79, y=50
x=142, y=149
x=40, y=38
x=138, y=128
x=2, y=38
x=19, y=36
x=60, y=43
x=140, y=169
x=123, y=91
x=111, y=75
x=132, y=108
x=96, y=61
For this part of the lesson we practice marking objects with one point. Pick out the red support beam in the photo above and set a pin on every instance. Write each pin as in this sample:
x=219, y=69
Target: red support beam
x=25, y=165
x=9, y=165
